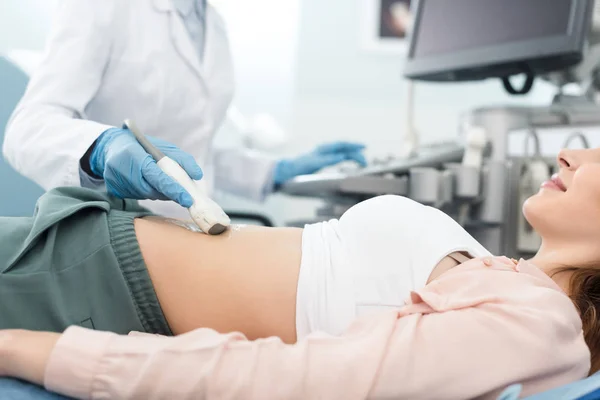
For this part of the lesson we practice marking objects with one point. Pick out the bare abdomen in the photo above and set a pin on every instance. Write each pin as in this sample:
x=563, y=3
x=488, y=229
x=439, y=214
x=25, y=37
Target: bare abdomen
x=244, y=280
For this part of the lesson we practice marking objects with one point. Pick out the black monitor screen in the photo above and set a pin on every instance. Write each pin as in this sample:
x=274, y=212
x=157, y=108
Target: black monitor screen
x=448, y=26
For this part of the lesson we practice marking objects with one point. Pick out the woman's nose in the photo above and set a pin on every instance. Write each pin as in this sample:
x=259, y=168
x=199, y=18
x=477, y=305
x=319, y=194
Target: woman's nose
x=568, y=159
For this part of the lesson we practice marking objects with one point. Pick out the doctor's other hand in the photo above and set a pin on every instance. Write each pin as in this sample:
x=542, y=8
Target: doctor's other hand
x=323, y=156
x=131, y=173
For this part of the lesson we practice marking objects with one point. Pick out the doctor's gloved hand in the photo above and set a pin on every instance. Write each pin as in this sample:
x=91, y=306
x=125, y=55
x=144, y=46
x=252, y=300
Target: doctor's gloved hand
x=131, y=173
x=323, y=156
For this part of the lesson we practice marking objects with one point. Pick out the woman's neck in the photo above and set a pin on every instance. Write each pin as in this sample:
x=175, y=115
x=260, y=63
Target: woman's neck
x=558, y=262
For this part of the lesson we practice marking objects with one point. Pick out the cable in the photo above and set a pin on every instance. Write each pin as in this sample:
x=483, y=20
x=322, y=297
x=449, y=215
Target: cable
x=143, y=141
x=577, y=135
x=537, y=151
x=508, y=86
x=411, y=137
x=535, y=169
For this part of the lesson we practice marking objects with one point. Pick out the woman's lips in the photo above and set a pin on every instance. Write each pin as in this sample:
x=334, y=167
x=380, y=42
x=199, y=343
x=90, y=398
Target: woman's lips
x=555, y=183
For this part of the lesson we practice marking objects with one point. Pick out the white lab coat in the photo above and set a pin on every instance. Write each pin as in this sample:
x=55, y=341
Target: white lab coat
x=108, y=60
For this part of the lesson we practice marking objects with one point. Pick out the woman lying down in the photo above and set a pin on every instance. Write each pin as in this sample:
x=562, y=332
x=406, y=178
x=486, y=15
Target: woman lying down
x=394, y=300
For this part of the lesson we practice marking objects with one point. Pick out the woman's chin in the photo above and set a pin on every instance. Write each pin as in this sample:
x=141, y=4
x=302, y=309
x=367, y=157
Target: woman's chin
x=532, y=208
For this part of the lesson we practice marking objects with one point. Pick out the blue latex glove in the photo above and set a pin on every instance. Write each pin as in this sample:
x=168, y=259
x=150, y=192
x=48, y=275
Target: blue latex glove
x=131, y=173
x=323, y=156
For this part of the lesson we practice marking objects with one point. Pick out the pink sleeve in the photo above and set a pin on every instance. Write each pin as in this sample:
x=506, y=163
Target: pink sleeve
x=464, y=346
x=478, y=351
x=205, y=364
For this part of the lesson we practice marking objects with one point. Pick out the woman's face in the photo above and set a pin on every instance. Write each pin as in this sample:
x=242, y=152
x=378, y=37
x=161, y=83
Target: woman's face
x=567, y=208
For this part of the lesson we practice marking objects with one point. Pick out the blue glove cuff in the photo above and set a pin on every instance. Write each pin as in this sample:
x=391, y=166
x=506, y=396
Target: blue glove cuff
x=98, y=155
x=282, y=172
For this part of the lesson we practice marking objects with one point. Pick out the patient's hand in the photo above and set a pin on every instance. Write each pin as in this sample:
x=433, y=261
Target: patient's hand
x=25, y=354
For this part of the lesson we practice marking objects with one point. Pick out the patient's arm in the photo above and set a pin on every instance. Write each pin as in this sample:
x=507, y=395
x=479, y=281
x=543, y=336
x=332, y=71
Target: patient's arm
x=243, y=280
x=477, y=318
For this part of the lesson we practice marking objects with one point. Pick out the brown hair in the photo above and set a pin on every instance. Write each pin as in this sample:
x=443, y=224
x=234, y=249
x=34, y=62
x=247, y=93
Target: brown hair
x=584, y=291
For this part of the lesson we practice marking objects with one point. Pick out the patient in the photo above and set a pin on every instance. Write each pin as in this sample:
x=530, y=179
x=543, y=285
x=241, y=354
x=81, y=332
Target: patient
x=412, y=305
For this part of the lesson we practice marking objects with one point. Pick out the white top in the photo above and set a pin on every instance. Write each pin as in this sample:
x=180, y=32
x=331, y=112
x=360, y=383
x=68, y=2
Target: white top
x=396, y=231
x=371, y=260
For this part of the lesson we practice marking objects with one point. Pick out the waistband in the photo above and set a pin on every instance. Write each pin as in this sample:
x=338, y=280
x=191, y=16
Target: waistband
x=135, y=272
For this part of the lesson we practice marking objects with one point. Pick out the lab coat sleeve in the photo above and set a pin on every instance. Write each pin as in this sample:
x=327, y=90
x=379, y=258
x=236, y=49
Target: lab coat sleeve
x=90, y=182
x=47, y=133
x=244, y=172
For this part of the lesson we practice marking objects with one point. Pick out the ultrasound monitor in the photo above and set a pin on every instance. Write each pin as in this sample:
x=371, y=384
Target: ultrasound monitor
x=468, y=40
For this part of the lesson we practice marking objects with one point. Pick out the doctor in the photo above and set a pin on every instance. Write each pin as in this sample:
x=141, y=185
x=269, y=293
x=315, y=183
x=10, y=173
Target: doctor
x=167, y=65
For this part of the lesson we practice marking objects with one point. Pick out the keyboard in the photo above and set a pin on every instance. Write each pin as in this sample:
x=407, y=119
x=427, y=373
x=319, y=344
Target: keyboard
x=389, y=176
